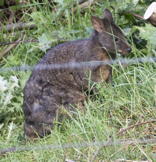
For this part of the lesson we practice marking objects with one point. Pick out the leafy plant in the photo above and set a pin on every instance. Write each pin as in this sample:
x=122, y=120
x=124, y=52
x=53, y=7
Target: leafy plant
x=9, y=99
x=148, y=32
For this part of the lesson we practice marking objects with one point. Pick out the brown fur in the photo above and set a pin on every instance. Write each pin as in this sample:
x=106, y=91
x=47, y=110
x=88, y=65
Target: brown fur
x=47, y=90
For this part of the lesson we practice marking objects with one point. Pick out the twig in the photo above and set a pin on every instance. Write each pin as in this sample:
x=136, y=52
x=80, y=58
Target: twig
x=16, y=42
x=11, y=17
x=135, y=125
x=81, y=1
x=84, y=5
x=133, y=14
x=137, y=16
x=18, y=26
x=6, y=50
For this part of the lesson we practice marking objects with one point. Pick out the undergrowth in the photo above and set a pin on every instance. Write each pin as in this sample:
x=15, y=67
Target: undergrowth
x=130, y=100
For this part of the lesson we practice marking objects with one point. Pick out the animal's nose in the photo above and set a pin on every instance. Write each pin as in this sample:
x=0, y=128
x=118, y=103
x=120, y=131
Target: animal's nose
x=129, y=50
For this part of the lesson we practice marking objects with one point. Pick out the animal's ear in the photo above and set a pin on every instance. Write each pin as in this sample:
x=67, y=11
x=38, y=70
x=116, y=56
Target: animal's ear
x=108, y=15
x=97, y=24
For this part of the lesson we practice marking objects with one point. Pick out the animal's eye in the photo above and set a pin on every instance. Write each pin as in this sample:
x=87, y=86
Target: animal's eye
x=116, y=39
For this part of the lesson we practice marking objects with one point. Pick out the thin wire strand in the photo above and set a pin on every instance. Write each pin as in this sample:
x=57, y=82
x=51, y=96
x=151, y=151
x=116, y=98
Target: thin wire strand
x=80, y=65
x=80, y=145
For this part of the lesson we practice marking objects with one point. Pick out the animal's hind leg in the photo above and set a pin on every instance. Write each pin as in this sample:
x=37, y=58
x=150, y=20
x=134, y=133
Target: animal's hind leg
x=34, y=130
x=39, y=119
x=73, y=100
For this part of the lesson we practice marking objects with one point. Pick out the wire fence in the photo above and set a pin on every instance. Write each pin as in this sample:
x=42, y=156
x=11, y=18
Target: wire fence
x=80, y=145
x=81, y=65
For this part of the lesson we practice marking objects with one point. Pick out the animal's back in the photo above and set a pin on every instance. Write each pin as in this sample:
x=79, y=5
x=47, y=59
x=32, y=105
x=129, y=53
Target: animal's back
x=47, y=89
x=69, y=52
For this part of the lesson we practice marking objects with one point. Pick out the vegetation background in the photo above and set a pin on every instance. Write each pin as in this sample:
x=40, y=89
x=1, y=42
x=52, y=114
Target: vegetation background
x=132, y=99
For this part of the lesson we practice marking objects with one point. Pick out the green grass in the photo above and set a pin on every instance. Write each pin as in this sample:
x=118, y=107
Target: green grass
x=131, y=100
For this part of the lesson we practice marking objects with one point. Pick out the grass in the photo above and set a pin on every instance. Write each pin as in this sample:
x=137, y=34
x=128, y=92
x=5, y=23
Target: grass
x=131, y=100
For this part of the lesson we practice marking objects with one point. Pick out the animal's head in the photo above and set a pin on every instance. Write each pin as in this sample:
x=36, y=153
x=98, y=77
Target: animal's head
x=109, y=35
